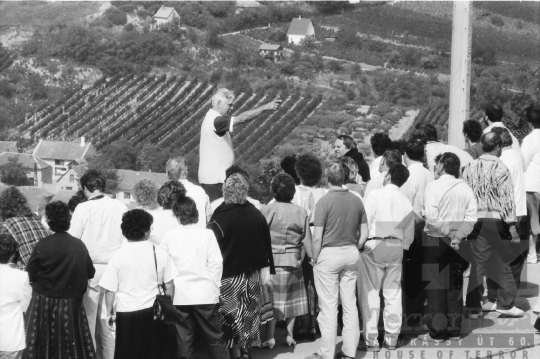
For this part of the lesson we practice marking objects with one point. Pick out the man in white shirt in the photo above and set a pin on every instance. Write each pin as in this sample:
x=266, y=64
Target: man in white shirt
x=530, y=149
x=216, y=149
x=413, y=190
x=97, y=223
x=380, y=143
x=390, y=218
x=450, y=208
x=493, y=118
x=388, y=159
x=178, y=169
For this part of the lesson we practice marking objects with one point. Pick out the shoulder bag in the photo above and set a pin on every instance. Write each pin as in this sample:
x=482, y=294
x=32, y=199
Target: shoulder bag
x=164, y=310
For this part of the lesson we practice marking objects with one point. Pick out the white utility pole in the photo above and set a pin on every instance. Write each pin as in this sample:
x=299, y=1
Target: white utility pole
x=460, y=75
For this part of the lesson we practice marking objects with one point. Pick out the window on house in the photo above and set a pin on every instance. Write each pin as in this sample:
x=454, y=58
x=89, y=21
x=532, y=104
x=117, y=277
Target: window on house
x=71, y=178
x=127, y=195
x=69, y=188
x=58, y=162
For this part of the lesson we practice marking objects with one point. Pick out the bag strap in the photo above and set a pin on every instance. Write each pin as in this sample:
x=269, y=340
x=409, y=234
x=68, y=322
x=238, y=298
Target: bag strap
x=157, y=278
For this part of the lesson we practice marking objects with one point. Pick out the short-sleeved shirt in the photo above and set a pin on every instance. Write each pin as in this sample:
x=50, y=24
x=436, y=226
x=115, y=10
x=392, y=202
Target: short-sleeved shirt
x=340, y=213
x=131, y=274
x=223, y=124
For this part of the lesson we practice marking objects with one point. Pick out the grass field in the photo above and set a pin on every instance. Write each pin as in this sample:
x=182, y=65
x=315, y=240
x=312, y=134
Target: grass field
x=31, y=13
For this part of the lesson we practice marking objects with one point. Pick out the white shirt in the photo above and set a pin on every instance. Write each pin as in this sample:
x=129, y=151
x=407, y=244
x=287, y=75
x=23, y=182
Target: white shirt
x=415, y=186
x=515, y=142
x=433, y=149
x=216, y=152
x=15, y=295
x=374, y=168
x=374, y=184
x=530, y=148
x=215, y=203
x=97, y=224
x=201, y=199
x=389, y=213
x=131, y=274
x=450, y=206
x=196, y=254
x=164, y=220
x=513, y=160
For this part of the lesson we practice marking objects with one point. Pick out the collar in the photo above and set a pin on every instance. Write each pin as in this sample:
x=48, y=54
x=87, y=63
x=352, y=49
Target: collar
x=351, y=151
x=416, y=164
x=391, y=186
x=446, y=176
x=99, y=196
x=489, y=157
x=338, y=190
x=188, y=226
x=507, y=148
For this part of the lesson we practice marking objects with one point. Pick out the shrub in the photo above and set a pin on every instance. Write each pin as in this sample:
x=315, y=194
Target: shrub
x=115, y=16
x=334, y=66
x=497, y=21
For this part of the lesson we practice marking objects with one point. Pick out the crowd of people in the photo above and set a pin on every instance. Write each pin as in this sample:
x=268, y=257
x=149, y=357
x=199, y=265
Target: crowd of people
x=336, y=238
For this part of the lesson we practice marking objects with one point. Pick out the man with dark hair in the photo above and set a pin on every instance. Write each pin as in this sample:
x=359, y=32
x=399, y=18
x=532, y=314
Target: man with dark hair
x=97, y=223
x=391, y=230
x=340, y=226
x=287, y=165
x=512, y=160
x=472, y=130
x=450, y=209
x=346, y=147
x=495, y=229
x=414, y=189
x=493, y=118
x=388, y=160
x=530, y=150
x=380, y=142
x=434, y=147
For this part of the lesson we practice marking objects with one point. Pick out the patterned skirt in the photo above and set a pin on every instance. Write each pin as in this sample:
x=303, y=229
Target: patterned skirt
x=57, y=328
x=289, y=296
x=239, y=310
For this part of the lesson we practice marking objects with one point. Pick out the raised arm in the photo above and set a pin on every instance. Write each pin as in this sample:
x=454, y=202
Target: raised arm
x=251, y=114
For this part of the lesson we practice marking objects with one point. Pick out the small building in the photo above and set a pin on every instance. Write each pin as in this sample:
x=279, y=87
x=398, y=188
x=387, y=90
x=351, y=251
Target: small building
x=165, y=14
x=62, y=155
x=8, y=146
x=271, y=52
x=70, y=180
x=299, y=30
x=37, y=170
x=244, y=5
x=128, y=178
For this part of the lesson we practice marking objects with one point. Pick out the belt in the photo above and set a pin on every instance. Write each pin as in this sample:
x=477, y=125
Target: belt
x=381, y=238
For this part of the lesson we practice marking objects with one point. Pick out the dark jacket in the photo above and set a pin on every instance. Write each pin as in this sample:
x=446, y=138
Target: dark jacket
x=363, y=167
x=60, y=267
x=243, y=237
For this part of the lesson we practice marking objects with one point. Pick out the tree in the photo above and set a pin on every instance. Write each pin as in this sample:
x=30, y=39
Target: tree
x=152, y=158
x=13, y=173
x=347, y=37
x=331, y=7
x=483, y=54
x=212, y=38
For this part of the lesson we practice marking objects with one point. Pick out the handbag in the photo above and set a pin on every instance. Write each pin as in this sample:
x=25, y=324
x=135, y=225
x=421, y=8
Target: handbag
x=164, y=310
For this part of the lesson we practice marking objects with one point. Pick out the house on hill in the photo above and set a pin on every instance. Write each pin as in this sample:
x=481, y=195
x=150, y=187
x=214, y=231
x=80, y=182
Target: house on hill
x=61, y=156
x=128, y=178
x=271, y=52
x=37, y=170
x=165, y=14
x=70, y=180
x=8, y=146
x=299, y=30
x=243, y=5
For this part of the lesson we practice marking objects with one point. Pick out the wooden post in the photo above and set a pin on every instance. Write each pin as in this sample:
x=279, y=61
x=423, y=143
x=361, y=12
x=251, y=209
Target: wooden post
x=460, y=76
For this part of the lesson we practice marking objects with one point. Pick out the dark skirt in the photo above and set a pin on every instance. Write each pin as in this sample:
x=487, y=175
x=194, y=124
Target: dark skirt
x=289, y=297
x=139, y=336
x=57, y=328
x=309, y=282
x=240, y=310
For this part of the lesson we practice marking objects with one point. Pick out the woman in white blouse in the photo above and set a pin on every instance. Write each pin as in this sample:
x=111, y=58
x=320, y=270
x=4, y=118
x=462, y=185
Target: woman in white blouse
x=133, y=274
x=15, y=294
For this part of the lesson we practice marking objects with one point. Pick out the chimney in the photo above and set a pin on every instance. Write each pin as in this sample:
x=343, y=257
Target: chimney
x=299, y=16
x=82, y=142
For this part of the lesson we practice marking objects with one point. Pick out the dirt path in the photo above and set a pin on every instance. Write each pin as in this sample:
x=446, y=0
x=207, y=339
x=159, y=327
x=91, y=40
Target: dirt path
x=399, y=129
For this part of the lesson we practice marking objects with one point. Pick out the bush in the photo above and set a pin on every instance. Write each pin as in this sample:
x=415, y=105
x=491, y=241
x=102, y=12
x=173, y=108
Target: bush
x=334, y=66
x=497, y=21
x=5, y=89
x=115, y=16
x=129, y=27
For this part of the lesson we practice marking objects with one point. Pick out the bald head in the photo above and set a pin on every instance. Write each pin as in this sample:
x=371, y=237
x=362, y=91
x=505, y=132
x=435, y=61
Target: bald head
x=492, y=143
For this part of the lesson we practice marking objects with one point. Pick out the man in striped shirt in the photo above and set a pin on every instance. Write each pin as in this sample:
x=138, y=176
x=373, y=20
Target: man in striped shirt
x=495, y=229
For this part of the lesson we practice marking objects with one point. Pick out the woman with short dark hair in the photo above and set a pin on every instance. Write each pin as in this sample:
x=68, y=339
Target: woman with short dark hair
x=19, y=221
x=59, y=269
x=289, y=229
x=133, y=274
x=196, y=254
x=244, y=239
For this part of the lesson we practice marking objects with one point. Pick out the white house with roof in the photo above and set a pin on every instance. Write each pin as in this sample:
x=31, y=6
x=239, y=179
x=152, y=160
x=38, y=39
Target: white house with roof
x=70, y=180
x=165, y=14
x=300, y=29
x=37, y=170
x=61, y=155
x=128, y=178
x=245, y=5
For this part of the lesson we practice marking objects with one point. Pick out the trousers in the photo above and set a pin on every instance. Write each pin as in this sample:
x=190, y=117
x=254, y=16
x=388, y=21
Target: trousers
x=206, y=317
x=381, y=268
x=491, y=254
x=335, y=278
x=443, y=268
x=96, y=311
